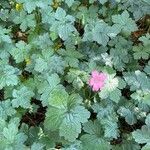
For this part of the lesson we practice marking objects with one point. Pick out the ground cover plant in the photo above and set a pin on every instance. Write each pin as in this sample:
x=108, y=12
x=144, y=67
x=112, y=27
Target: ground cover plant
x=74, y=75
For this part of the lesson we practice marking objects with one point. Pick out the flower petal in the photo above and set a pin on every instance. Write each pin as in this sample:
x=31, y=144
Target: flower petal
x=102, y=76
x=91, y=82
x=95, y=87
x=95, y=74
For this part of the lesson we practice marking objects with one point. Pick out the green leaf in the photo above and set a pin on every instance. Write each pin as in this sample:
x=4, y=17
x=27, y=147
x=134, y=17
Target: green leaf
x=141, y=52
x=56, y=64
x=147, y=68
x=5, y=13
x=31, y=5
x=11, y=138
x=104, y=110
x=74, y=146
x=108, y=118
x=63, y=24
x=87, y=14
x=77, y=78
x=60, y=14
x=128, y=114
x=115, y=95
x=142, y=96
x=71, y=57
x=142, y=135
x=93, y=139
x=102, y=1
x=25, y=20
x=127, y=144
x=124, y=22
x=119, y=56
x=146, y=99
x=111, y=89
x=8, y=75
x=22, y=97
x=43, y=41
x=145, y=39
x=111, y=129
x=69, y=2
x=71, y=125
x=146, y=147
x=49, y=63
x=54, y=118
x=40, y=65
x=4, y=37
x=99, y=32
x=47, y=85
x=137, y=80
x=67, y=119
x=21, y=51
x=47, y=15
x=53, y=80
x=58, y=98
x=6, y=109
x=64, y=31
x=37, y=146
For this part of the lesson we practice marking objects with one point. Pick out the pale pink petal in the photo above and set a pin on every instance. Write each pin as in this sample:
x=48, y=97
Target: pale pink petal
x=97, y=80
x=91, y=82
x=95, y=73
x=102, y=76
x=96, y=84
x=95, y=87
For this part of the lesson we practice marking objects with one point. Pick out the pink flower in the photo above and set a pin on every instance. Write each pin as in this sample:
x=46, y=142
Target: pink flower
x=97, y=80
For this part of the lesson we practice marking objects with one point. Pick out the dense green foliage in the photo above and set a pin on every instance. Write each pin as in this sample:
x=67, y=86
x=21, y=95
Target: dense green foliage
x=48, y=49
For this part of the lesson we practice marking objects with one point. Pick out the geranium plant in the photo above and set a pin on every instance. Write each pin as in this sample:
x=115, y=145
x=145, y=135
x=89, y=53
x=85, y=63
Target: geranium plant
x=74, y=75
